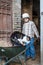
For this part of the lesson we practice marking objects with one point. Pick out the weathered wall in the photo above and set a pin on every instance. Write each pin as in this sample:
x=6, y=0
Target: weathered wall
x=16, y=11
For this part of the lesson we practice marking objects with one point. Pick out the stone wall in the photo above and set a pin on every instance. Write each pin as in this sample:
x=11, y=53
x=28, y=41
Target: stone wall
x=16, y=15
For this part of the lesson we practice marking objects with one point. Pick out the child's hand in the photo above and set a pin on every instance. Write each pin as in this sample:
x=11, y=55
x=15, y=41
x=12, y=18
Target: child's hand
x=23, y=43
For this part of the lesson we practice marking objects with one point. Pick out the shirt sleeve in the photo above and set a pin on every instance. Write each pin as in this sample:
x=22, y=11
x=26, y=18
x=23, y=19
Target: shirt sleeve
x=35, y=30
x=23, y=29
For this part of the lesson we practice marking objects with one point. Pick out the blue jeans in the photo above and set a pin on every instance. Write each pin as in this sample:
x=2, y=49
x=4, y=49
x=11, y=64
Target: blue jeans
x=30, y=52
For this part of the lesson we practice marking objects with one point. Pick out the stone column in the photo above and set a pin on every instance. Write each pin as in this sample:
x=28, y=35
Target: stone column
x=16, y=15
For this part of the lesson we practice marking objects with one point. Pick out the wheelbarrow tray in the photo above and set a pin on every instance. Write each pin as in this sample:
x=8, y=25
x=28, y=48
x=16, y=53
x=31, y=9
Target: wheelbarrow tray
x=11, y=51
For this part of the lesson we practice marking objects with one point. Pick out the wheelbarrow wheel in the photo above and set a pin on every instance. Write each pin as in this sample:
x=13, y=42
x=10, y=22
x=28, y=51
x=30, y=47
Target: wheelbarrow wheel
x=2, y=62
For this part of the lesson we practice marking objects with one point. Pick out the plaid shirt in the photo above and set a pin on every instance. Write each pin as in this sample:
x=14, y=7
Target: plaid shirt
x=30, y=29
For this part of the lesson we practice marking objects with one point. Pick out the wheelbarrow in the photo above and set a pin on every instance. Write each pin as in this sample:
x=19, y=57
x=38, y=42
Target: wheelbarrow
x=13, y=53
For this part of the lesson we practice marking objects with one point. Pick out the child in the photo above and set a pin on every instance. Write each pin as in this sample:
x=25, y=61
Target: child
x=29, y=29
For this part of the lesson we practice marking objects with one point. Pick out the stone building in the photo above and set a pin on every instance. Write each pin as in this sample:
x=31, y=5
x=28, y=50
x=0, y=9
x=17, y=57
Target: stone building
x=10, y=16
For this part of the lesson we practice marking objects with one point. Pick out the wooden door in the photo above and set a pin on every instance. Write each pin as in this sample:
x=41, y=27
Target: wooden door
x=5, y=19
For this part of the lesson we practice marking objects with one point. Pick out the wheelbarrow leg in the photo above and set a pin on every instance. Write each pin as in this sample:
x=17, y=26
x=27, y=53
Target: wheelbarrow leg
x=2, y=61
x=22, y=60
